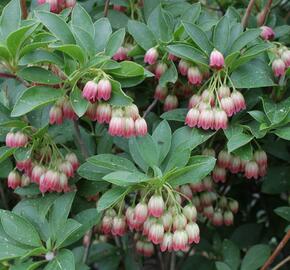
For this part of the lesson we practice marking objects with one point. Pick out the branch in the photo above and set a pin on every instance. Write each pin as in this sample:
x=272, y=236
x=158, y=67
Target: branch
x=150, y=107
x=248, y=13
x=276, y=251
x=265, y=13
x=280, y=264
x=23, y=9
x=106, y=9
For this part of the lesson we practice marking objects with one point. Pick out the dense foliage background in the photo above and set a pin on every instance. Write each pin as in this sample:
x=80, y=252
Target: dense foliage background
x=144, y=134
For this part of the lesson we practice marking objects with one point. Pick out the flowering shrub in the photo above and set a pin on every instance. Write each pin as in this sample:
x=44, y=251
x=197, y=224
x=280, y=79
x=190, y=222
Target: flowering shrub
x=144, y=134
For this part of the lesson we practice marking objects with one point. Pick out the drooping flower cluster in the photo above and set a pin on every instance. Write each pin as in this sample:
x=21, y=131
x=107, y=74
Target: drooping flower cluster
x=156, y=221
x=44, y=165
x=211, y=108
x=57, y=6
x=281, y=61
x=255, y=168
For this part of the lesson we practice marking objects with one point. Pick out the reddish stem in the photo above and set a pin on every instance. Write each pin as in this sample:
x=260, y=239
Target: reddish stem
x=265, y=13
x=248, y=13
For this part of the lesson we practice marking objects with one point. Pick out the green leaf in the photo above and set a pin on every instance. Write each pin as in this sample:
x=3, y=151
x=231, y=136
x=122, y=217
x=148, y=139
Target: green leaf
x=57, y=26
x=245, y=152
x=35, y=97
x=191, y=14
x=40, y=56
x=199, y=37
x=255, y=257
x=238, y=140
x=175, y=115
x=118, y=98
x=162, y=136
x=90, y=172
x=70, y=227
x=20, y=229
x=110, y=197
x=253, y=74
x=170, y=75
x=283, y=133
x=79, y=104
x=198, y=167
x=74, y=51
x=84, y=39
x=10, y=18
x=64, y=260
x=222, y=266
x=38, y=75
x=189, y=53
x=115, y=42
x=82, y=19
x=244, y=39
x=284, y=212
x=231, y=254
x=125, y=178
x=141, y=34
x=276, y=112
x=5, y=152
x=105, y=163
x=147, y=149
x=161, y=24
x=16, y=39
x=4, y=53
x=103, y=30
x=128, y=69
x=60, y=211
x=221, y=34
x=9, y=251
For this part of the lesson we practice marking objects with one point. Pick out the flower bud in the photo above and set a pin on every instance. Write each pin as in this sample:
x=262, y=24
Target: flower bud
x=90, y=91
x=207, y=183
x=179, y=222
x=278, y=67
x=63, y=183
x=116, y=126
x=148, y=249
x=24, y=165
x=194, y=76
x=224, y=159
x=190, y=212
x=208, y=211
x=286, y=58
x=224, y=91
x=141, y=212
x=14, y=180
x=172, y=57
x=160, y=69
x=235, y=164
x=91, y=112
x=140, y=127
x=107, y=224
x=170, y=103
x=72, y=158
x=19, y=139
x=151, y=56
x=216, y=60
x=180, y=240
x=25, y=180
x=267, y=33
x=156, y=233
x=238, y=100
x=132, y=111
x=192, y=117
x=220, y=119
x=121, y=54
x=156, y=206
x=104, y=89
x=206, y=119
x=167, y=220
x=252, y=170
x=36, y=173
x=167, y=242
x=194, y=100
x=208, y=152
x=67, y=168
x=186, y=191
x=183, y=67
x=228, y=105
x=217, y=218
x=192, y=231
x=233, y=206
x=260, y=157
x=68, y=111
x=119, y=226
x=103, y=113
x=70, y=3
x=228, y=218
x=219, y=174
x=55, y=115
x=160, y=92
